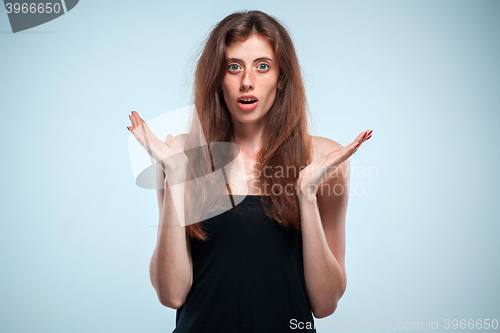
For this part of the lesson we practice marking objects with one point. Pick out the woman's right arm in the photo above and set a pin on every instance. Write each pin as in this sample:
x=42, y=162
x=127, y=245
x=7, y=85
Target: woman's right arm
x=171, y=267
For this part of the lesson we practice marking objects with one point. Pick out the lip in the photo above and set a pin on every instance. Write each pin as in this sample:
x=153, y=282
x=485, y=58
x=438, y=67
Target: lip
x=248, y=107
x=248, y=96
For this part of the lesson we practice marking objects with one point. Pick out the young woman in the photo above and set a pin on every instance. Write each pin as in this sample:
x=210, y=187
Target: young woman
x=275, y=256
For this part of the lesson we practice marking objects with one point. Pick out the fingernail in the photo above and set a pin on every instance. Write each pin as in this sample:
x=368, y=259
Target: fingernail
x=357, y=144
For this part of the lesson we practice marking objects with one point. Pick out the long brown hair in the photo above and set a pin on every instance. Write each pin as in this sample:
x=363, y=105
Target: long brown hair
x=287, y=143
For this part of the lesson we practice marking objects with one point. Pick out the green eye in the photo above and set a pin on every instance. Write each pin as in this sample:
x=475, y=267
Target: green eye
x=263, y=65
x=233, y=67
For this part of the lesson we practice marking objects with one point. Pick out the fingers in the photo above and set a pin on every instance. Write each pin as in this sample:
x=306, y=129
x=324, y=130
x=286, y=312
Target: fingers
x=342, y=154
x=362, y=137
x=137, y=122
x=336, y=157
x=134, y=120
x=365, y=136
x=350, y=149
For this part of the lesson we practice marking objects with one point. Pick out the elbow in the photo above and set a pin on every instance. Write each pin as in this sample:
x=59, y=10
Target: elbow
x=331, y=307
x=323, y=313
x=170, y=303
x=170, y=296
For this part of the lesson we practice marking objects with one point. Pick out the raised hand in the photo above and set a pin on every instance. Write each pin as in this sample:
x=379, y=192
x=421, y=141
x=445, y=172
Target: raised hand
x=311, y=177
x=169, y=153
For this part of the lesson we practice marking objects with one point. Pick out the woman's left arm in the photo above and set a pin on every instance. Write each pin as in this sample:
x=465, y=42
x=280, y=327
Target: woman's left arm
x=323, y=196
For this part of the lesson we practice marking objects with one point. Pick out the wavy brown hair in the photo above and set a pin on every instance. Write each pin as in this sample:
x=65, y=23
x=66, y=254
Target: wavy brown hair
x=287, y=143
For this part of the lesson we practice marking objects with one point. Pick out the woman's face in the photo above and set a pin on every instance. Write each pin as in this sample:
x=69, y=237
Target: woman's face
x=251, y=71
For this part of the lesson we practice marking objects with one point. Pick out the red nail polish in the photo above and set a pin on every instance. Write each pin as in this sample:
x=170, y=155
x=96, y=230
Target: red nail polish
x=357, y=144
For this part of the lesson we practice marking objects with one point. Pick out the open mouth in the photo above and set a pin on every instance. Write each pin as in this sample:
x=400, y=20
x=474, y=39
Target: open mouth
x=247, y=101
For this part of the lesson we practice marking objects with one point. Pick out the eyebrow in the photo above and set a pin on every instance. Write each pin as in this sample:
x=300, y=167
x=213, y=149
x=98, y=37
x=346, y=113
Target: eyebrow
x=256, y=60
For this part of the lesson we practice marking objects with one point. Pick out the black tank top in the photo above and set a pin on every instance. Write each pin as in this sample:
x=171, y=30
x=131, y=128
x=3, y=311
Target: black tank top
x=247, y=277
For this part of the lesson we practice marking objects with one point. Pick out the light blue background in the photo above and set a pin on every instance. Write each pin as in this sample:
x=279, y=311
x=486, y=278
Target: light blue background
x=77, y=234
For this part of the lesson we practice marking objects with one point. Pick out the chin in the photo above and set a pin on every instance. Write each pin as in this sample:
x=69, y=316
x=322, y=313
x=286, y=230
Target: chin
x=247, y=117
x=253, y=115
x=246, y=120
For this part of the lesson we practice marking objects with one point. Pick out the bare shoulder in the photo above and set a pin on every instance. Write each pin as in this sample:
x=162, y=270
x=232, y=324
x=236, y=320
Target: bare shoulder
x=334, y=190
x=322, y=146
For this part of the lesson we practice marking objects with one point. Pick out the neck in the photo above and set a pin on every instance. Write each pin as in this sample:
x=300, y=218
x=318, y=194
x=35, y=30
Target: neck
x=248, y=137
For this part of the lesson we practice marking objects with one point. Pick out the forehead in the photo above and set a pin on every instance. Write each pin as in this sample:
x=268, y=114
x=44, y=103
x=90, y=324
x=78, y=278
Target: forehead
x=252, y=48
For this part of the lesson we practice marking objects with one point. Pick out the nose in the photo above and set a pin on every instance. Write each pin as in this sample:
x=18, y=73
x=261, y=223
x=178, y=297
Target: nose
x=247, y=82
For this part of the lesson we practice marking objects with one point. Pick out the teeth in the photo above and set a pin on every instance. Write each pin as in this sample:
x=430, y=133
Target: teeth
x=247, y=99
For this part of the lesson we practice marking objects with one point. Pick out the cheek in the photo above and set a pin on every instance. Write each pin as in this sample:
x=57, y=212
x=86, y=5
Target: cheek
x=271, y=89
x=224, y=88
x=228, y=86
x=227, y=94
x=271, y=85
